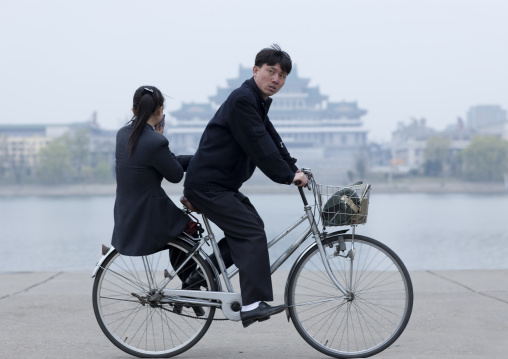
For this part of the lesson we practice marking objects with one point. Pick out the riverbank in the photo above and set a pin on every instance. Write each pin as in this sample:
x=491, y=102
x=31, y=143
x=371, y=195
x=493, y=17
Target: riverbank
x=395, y=187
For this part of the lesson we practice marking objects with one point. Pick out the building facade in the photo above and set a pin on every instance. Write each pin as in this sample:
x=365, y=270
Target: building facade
x=484, y=116
x=316, y=131
x=409, y=143
x=20, y=146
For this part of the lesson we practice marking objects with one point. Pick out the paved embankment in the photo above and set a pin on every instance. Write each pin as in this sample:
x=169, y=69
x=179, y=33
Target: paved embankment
x=457, y=314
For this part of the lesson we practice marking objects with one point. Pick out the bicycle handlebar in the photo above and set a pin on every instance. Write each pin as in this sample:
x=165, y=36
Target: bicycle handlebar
x=302, y=194
x=300, y=189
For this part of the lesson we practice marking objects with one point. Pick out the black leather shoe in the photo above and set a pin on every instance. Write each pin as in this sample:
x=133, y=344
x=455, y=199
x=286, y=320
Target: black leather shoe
x=194, y=281
x=199, y=311
x=261, y=313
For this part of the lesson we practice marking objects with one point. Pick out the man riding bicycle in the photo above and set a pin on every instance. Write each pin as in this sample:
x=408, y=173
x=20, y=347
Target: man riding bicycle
x=239, y=138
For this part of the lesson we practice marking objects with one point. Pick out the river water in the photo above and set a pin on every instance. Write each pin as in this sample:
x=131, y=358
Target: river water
x=428, y=231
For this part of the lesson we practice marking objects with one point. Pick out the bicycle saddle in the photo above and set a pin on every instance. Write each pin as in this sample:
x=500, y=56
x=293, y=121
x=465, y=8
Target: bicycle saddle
x=188, y=205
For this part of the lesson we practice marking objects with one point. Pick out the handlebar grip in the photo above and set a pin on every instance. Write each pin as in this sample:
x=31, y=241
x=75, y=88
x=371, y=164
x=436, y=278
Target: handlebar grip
x=297, y=183
x=300, y=189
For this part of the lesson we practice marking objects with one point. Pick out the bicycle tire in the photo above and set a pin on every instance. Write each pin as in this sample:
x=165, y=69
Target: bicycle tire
x=141, y=329
x=375, y=316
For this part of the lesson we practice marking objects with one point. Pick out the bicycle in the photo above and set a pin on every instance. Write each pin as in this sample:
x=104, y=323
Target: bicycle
x=348, y=296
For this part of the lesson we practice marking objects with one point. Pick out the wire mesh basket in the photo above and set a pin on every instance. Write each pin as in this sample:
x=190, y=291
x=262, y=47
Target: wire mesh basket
x=343, y=206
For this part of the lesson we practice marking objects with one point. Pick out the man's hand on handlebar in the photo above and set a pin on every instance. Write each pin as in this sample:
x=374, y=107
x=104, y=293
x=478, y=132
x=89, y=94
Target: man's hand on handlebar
x=300, y=179
x=306, y=171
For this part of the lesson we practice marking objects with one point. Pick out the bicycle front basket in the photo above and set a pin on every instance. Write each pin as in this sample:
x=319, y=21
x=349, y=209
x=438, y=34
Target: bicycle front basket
x=343, y=206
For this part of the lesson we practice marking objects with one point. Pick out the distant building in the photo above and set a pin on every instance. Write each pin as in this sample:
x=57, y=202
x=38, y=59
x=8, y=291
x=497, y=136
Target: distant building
x=459, y=135
x=19, y=154
x=489, y=121
x=316, y=131
x=380, y=156
x=409, y=143
x=499, y=129
x=20, y=145
x=102, y=143
x=479, y=117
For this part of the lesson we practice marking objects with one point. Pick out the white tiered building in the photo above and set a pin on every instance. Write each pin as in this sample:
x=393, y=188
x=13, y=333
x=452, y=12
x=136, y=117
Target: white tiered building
x=316, y=132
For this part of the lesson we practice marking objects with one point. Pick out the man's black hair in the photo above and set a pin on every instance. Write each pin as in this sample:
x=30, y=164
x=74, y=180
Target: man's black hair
x=274, y=55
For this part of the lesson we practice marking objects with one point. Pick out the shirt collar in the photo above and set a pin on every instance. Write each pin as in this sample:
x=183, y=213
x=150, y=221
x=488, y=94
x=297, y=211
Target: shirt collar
x=147, y=126
x=252, y=84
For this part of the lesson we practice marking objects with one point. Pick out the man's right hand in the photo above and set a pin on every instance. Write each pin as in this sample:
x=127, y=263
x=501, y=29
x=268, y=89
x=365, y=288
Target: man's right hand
x=300, y=176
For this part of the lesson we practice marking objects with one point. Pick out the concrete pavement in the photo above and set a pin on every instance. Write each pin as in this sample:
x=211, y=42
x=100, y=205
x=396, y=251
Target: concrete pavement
x=456, y=314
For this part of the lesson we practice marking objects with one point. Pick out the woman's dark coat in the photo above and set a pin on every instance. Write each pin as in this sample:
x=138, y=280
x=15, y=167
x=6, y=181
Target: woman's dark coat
x=145, y=217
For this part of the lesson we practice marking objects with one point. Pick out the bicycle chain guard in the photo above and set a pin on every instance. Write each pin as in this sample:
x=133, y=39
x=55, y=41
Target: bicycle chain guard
x=227, y=299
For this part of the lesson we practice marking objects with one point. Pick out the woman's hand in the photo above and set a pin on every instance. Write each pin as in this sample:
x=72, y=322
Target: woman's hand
x=160, y=127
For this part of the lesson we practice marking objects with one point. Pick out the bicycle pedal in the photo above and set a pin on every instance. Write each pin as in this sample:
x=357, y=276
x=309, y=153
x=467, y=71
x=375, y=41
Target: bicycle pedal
x=177, y=309
x=199, y=311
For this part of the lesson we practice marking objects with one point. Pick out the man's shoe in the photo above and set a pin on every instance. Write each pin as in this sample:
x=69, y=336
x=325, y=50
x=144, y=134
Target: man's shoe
x=199, y=311
x=261, y=313
x=194, y=281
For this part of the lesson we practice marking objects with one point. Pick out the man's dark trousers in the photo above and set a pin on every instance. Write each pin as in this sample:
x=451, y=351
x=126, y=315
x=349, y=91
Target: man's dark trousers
x=244, y=230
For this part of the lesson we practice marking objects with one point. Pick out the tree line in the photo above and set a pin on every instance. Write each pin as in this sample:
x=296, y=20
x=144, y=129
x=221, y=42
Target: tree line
x=484, y=159
x=68, y=159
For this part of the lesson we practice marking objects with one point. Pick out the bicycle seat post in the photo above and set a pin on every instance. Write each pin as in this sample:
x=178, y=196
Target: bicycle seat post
x=222, y=267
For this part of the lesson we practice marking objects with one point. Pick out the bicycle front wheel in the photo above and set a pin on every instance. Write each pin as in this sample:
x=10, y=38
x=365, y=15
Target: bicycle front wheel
x=140, y=323
x=367, y=320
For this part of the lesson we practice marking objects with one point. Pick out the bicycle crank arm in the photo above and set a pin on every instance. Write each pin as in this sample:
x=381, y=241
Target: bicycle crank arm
x=226, y=299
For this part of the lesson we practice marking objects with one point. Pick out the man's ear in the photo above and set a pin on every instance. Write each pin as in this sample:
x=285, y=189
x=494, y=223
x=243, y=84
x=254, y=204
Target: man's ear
x=255, y=70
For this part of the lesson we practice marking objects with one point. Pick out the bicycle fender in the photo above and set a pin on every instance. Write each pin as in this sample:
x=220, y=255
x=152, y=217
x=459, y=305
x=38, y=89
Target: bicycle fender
x=189, y=241
x=103, y=258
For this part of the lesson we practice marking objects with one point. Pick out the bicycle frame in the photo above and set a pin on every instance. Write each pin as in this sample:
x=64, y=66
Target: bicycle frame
x=227, y=298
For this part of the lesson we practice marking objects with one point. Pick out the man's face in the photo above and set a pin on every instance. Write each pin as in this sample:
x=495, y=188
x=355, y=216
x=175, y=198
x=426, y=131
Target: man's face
x=269, y=78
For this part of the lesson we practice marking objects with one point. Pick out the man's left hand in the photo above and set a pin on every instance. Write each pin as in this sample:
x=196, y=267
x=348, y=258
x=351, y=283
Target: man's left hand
x=300, y=176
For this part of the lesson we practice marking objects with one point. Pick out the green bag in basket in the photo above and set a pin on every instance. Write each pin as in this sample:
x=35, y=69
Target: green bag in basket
x=341, y=207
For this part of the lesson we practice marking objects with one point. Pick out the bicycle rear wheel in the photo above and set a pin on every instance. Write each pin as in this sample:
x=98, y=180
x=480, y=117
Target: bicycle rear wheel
x=364, y=324
x=142, y=327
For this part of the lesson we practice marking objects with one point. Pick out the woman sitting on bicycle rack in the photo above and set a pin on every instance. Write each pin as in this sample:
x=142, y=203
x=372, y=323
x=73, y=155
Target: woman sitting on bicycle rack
x=145, y=217
x=239, y=138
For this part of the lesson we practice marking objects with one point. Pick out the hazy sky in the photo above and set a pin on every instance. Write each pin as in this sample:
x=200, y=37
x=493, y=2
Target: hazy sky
x=63, y=60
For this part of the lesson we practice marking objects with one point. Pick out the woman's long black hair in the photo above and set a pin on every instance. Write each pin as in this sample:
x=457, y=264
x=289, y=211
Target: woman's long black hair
x=146, y=101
